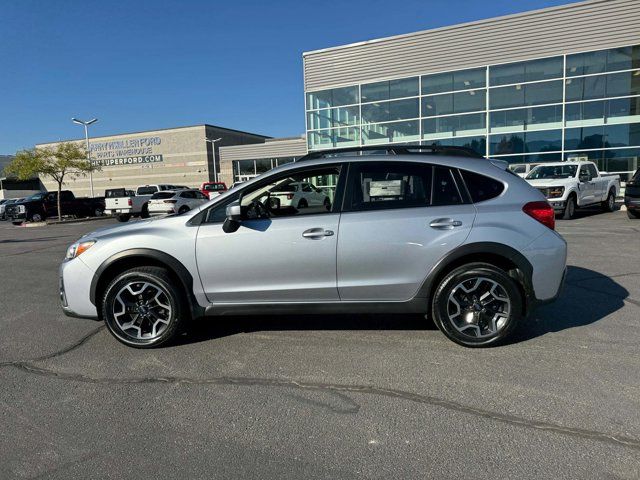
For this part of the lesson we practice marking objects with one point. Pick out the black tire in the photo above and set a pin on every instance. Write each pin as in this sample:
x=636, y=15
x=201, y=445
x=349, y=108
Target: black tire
x=98, y=212
x=302, y=204
x=183, y=209
x=37, y=217
x=609, y=205
x=145, y=211
x=125, y=217
x=442, y=312
x=633, y=214
x=327, y=204
x=17, y=222
x=570, y=208
x=157, y=280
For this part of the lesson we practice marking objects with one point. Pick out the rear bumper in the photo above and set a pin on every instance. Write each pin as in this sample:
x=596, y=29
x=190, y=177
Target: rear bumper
x=632, y=203
x=547, y=255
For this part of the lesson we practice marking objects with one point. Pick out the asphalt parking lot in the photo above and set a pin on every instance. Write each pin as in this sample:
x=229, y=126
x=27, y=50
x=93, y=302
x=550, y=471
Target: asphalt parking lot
x=325, y=397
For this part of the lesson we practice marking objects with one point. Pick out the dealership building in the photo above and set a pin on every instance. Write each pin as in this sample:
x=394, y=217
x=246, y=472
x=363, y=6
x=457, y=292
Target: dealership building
x=545, y=85
x=177, y=156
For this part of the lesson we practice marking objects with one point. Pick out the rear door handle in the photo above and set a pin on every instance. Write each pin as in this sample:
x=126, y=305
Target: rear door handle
x=445, y=223
x=317, y=233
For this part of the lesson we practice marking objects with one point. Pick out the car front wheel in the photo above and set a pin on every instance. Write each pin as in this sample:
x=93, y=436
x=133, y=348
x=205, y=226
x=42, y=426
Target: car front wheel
x=570, y=208
x=142, y=308
x=477, y=305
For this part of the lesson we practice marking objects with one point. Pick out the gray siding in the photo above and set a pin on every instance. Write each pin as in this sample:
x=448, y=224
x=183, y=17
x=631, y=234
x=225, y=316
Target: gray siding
x=293, y=147
x=577, y=27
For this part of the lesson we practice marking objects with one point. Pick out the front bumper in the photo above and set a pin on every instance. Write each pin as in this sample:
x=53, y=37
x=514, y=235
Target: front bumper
x=557, y=203
x=74, y=289
x=18, y=216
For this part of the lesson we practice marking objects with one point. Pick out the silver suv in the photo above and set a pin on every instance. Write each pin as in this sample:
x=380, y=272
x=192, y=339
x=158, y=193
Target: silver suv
x=436, y=231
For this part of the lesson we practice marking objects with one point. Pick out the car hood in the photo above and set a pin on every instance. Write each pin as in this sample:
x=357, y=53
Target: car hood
x=550, y=182
x=130, y=228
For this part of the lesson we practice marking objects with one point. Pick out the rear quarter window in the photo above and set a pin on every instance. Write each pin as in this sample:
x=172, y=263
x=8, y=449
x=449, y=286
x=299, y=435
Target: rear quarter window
x=481, y=187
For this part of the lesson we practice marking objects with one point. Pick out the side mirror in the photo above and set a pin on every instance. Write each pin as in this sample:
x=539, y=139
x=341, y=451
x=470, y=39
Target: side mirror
x=234, y=216
x=234, y=212
x=584, y=177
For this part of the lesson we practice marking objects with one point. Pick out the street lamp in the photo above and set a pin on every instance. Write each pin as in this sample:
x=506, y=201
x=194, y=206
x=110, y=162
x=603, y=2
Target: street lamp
x=213, y=145
x=86, y=136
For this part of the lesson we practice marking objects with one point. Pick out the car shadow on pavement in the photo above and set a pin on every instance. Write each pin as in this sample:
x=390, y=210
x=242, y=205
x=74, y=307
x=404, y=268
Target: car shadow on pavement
x=588, y=297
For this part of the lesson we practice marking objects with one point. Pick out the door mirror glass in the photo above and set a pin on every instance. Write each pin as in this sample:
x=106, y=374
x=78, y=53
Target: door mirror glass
x=584, y=177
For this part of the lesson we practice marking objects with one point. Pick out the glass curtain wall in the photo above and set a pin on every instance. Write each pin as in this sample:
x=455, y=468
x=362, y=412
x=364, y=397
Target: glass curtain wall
x=575, y=105
x=244, y=170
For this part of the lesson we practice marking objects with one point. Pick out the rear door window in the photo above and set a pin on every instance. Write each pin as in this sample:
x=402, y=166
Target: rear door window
x=481, y=187
x=386, y=185
x=445, y=191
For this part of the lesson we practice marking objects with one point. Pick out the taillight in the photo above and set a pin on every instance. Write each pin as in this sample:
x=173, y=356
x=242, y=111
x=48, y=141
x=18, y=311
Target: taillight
x=289, y=196
x=542, y=212
x=129, y=202
x=171, y=201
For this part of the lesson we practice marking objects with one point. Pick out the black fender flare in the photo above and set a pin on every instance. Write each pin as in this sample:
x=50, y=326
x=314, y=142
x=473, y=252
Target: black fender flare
x=157, y=256
x=524, y=267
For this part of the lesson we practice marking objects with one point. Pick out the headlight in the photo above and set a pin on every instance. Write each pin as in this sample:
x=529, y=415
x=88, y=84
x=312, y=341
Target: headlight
x=78, y=249
x=556, y=192
x=21, y=209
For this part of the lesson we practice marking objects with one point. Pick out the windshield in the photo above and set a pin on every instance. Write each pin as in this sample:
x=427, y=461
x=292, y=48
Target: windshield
x=161, y=195
x=552, y=171
x=147, y=190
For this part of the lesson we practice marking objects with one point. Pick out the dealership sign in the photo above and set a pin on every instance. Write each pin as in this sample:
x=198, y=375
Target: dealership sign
x=109, y=162
x=132, y=151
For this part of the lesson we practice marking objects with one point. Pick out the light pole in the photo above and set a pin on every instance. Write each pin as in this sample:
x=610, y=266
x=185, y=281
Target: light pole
x=86, y=136
x=213, y=145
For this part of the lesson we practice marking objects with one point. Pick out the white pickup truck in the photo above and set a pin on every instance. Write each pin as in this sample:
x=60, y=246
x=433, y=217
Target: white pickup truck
x=571, y=185
x=125, y=204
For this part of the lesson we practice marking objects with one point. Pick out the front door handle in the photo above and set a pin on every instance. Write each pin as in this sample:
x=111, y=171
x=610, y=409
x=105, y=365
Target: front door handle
x=317, y=233
x=445, y=223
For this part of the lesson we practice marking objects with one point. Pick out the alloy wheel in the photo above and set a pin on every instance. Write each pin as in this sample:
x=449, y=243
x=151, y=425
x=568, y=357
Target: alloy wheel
x=142, y=310
x=478, y=307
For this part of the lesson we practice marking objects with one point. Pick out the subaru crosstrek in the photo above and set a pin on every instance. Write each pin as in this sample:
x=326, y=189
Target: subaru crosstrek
x=437, y=231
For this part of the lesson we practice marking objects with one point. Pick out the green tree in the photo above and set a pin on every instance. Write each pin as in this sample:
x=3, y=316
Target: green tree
x=65, y=161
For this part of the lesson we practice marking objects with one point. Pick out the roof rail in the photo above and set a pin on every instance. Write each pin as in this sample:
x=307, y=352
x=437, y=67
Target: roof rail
x=392, y=150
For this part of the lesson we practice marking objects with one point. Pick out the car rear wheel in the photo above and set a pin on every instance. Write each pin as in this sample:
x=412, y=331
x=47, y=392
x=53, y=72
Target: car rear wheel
x=145, y=211
x=124, y=218
x=633, y=214
x=98, y=212
x=570, y=208
x=477, y=305
x=302, y=204
x=37, y=217
x=183, y=209
x=609, y=205
x=327, y=203
x=142, y=308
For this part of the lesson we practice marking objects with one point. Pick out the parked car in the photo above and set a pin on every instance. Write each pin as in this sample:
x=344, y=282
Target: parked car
x=522, y=169
x=632, y=196
x=572, y=185
x=453, y=236
x=3, y=205
x=210, y=189
x=175, y=201
x=300, y=195
x=125, y=204
x=39, y=206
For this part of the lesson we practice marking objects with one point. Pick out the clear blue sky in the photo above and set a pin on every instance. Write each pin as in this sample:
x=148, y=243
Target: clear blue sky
x=141, y=65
